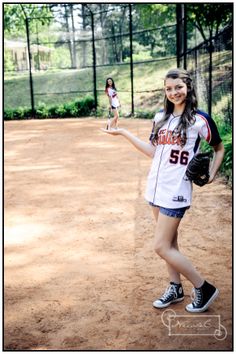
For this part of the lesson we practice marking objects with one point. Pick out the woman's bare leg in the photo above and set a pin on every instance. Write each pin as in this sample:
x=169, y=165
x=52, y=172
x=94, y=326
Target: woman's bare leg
x=173, y=274
x=165, y=235
x=114, y=120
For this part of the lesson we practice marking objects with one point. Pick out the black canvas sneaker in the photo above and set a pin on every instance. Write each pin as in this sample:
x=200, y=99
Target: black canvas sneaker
x=174, y=293
x=204, y=296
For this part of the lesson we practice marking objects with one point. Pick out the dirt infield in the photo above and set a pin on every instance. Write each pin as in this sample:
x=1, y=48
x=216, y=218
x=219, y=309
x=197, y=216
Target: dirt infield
x=80, y=270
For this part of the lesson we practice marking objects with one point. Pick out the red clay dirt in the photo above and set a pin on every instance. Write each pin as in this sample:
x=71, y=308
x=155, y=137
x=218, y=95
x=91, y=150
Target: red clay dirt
x=80, y=270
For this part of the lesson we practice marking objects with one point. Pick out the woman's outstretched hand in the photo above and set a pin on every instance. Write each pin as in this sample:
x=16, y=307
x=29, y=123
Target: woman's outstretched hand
x=112, y=131
x=146, y=148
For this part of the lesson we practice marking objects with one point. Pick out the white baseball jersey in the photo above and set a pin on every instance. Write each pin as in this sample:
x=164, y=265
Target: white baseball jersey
x=114, y=99
x=167, y=184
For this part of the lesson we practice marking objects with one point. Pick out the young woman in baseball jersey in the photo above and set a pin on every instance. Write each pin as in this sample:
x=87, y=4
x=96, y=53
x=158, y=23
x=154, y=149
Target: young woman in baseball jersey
x=175, y=138
x=114, y=103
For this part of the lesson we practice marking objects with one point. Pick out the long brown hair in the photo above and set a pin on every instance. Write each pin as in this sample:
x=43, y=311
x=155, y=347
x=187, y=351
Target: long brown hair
x=112, y=85
x=187, y=117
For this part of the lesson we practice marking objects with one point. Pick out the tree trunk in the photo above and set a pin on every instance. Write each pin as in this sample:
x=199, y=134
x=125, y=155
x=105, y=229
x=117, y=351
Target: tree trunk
x=84, y=44
x=103, y=45
x=121, y=37
x=114, y=45
x=74, y=58
x=69, y=39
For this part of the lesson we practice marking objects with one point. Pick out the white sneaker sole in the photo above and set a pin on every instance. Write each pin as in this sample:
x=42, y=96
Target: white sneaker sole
x=162, y=306
x=189, y=307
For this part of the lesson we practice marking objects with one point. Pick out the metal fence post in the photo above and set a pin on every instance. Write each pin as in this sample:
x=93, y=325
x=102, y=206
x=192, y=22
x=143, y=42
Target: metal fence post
x=94, y=64
x=30, y=68
x=210, y=77
x=131, y=58
x=179, y=32
x=94, y=60
x=181, y=35
x=185, y=36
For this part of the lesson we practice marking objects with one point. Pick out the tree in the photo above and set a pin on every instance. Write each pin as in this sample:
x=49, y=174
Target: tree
x=14, y=17
x=209, y=18
x=103, y=13
x=64, y=15
x=154, y=15
x=71, y=33
x=159, y=16
x=84, y=25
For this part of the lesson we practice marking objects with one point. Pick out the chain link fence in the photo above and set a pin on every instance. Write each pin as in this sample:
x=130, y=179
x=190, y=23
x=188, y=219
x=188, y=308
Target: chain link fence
x=211, y=66
x=71, y=57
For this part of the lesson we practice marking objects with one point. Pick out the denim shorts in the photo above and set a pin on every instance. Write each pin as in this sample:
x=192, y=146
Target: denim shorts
x=174, y=213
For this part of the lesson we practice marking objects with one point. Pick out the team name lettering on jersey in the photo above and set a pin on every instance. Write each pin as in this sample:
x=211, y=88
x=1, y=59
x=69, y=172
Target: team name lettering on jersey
x=167, y=137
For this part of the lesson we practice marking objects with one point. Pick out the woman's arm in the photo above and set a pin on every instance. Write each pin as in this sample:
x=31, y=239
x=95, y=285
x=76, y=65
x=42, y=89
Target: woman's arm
x=110, y=101
x=109, y=97
x=217, y=160
x=146, y=148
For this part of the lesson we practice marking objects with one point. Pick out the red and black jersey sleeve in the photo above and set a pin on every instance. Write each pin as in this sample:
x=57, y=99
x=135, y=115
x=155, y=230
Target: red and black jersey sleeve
x=209, y=129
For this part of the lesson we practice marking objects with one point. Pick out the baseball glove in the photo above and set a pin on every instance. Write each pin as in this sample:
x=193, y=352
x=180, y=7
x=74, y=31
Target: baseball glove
x=198, y=169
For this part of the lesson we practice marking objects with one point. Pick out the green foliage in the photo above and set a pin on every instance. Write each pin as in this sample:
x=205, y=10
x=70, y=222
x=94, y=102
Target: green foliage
x=8, y=114
x=86, y=107
x=77, y=108
x=209, y=18
x=60, y=58
x=48, y=22
x=227, y=165
x=155, y=14
x=8, y=62
x=139, y=57
x=42, y=111
x=61, y=111
x=14, y=17
x=162, y=41
x=144, y=114
x=225, y=132
x=19, y=113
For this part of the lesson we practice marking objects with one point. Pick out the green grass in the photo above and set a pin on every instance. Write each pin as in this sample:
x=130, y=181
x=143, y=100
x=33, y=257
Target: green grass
x=17, y=92
x=147, y=77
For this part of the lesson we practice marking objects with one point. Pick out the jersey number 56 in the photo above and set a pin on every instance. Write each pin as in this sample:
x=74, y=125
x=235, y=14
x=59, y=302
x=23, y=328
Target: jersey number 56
x=179, y=156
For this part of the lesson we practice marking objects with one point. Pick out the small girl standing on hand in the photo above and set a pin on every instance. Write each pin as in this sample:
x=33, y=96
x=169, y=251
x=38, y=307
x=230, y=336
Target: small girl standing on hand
x=175, y=139
x=114, y=103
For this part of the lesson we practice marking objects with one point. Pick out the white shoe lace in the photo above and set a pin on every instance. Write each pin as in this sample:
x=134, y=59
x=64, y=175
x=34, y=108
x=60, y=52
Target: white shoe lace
x=196, y=296
x=170, y=290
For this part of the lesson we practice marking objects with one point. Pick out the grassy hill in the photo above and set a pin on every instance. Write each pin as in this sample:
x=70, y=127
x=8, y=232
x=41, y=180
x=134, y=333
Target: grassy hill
x=147, y=77
x=58, y=87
